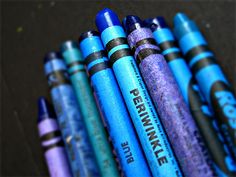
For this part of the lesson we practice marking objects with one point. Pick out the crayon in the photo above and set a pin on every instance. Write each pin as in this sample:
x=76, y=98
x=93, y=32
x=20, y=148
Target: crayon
x=172, y=109
x=74, y=134
x=112, y=106
x=206, y=122
x=210, y=78
x=93, y=122
x=51, y=141
x=151, y=134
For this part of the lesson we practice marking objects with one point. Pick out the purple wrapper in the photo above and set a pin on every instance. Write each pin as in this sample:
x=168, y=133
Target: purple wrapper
x=139, y=35
x=175, y=116
x=55, y=154
x=144, y=46
x=47, y=126
x=179, y=125
x=57, y=162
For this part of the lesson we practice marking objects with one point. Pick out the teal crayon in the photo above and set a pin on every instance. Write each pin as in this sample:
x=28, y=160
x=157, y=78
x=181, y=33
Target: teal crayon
x=89, y=111
x=112, y=107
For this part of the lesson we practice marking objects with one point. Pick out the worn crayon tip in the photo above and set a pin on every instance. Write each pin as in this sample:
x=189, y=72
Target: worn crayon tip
x=88, y=34
x=155, y=23
x=131, y=23
x=180, y=18
x=106, y=18
x=70, y=52
x=67, y=45
x=51, y=56
x=45, y=110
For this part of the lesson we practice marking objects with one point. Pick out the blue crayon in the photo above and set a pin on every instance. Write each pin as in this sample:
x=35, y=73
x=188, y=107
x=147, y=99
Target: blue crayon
x=209, y=76
x=147, y=124
x=69, y=117
x=92, y=120
x=223, y=160
x=112, y=106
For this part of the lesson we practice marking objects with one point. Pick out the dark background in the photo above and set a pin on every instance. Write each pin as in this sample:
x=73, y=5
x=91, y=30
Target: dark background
x=29, y=29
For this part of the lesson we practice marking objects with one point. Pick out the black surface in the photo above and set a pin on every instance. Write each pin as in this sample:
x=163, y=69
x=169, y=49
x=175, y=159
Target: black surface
x=30, y=29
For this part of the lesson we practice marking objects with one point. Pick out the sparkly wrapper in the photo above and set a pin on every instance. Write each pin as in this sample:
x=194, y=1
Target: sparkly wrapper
x=205, y=120
x=74, y=134
x=175, y=116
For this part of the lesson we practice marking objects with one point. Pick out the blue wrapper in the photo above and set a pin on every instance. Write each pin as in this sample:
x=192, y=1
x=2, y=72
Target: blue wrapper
x=69, y=118
x=210, y=78
x=112, y=106
x=143, y=114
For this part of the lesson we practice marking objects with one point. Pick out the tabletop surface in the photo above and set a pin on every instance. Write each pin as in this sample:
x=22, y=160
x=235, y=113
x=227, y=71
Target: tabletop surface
x=29, y=29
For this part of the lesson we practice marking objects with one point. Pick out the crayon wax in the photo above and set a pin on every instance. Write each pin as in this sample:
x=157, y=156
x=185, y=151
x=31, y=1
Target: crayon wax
x=174, y=113
x=222, y=158
x=148, y=127
x=112, y=107
x=74, y=134
x=92, y=120
x=51, y=141
x=210, y=78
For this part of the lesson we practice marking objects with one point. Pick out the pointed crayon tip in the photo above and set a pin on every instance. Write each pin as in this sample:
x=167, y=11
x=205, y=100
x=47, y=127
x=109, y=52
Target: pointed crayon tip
x=45, y=110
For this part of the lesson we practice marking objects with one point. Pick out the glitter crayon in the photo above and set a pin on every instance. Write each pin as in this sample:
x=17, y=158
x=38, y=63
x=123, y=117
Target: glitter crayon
x=222, y=158
x=112, y=106
x=92, y=120
x=74, y=134
x=210, y=78
x=51, y=141
x=173, y=111
x=147, y=124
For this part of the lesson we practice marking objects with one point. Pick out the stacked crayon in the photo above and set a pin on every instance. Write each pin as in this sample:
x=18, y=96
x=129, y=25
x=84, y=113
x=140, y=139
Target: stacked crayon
x=138, y=100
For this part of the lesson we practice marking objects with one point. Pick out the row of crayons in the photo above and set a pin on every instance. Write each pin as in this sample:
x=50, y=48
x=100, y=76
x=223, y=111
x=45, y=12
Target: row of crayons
x=165, y=103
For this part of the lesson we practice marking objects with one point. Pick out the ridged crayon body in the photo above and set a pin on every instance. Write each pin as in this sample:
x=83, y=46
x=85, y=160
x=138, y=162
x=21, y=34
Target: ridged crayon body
x=51, y=141
x=148, y=127
x=209, y=76
x=223, y=161
x=69, y=117
x=112, y=106
x=175, y=116
x=89, y=111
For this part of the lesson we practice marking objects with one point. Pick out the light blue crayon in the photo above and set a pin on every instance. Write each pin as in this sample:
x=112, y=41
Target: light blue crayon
x=210, y=78
x=112, y=106
x=151, y=134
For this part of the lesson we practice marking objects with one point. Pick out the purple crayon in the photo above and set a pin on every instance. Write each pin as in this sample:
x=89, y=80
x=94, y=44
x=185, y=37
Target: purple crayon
x=176, y=118
x=52, y=142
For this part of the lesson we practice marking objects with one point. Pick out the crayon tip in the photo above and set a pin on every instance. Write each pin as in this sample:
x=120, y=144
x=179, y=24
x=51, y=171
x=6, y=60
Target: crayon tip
x=51, y=56
x=67, y=45
x=155, y=23
x=106, y=18
x=44, y=109
x=88, y=34
x=147, y=22
x=180, y=18
x=131, y=23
